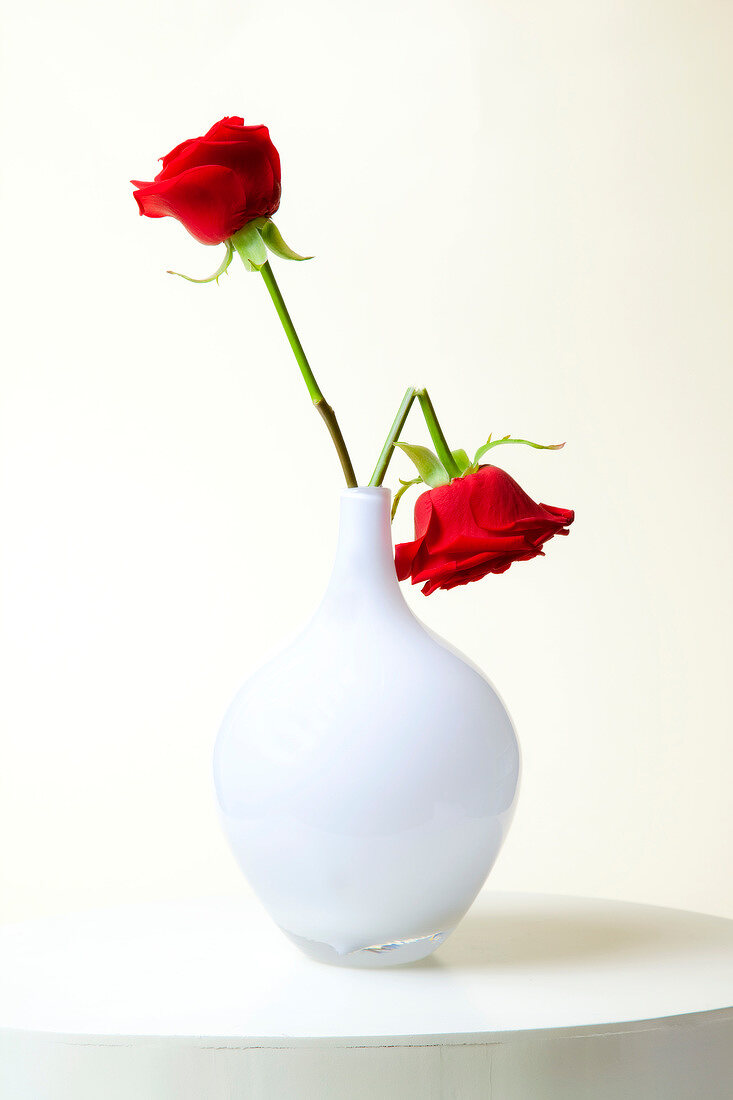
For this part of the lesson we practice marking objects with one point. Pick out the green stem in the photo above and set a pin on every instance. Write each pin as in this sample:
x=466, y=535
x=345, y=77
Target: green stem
x=394, y=433
x=308, y=376
x=293, y=339
x=436, y=434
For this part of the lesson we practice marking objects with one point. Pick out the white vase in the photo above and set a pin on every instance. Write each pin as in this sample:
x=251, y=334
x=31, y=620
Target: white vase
x=368, y=774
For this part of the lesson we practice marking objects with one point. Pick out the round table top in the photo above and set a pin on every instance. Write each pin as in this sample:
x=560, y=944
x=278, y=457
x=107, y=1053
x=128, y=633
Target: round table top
x=220, y=968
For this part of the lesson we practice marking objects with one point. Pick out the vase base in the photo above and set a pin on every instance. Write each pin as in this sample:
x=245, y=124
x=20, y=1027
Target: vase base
x=397, y=953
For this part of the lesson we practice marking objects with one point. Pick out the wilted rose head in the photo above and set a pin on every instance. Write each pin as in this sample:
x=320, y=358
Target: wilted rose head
x=477, y=524
x=215, y=184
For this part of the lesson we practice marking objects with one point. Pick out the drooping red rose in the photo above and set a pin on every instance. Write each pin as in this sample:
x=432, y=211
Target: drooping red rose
x=217, y=183
x=476, y=525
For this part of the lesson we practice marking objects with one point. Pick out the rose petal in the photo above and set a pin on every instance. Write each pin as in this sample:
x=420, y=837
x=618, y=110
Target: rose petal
x=176, y=152
x=230, y=123
x=255, y=162
x=209, y=201
x=474, y=526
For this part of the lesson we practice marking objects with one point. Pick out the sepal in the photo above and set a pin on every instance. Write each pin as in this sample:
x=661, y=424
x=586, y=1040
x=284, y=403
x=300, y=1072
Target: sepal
x=462, y=461
x=404, y=486
x=272, y=237
x=428, y=465
x=221, y=270
x=250, y=246
x=508, y=439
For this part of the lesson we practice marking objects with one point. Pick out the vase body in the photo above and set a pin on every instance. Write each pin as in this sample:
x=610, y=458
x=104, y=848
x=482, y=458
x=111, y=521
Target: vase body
x=368, y=774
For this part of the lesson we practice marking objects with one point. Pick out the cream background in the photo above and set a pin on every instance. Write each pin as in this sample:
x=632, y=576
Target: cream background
x=525, y=206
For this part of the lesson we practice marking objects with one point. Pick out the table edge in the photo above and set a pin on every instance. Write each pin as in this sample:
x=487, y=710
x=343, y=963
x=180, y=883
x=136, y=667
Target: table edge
x=480, y=1038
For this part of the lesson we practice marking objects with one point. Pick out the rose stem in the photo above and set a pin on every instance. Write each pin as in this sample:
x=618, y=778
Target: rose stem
x=394, y=433
x=316, y=396
x=436, y=434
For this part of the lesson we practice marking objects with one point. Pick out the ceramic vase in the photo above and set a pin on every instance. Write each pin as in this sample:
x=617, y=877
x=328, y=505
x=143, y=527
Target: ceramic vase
x=367, y=775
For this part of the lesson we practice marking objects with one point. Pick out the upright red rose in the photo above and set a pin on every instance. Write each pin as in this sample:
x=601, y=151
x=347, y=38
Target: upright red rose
x=476, y=525
x=217, y=183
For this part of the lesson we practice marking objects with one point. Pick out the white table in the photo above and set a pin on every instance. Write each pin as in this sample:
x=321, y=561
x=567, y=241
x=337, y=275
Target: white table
x=532, y=998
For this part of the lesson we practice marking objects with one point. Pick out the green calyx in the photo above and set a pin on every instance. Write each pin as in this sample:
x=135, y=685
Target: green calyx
x=254, y=239
x=432, y=471
x=429, y=467
x=251, y=243
x=250, y=246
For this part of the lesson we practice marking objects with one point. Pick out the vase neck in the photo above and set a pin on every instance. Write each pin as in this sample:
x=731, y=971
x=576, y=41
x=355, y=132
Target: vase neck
x=364, y=557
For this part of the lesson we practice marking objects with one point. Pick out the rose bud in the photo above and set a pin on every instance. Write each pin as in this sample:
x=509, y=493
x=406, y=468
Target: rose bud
x=476, y=525
x=215, y=184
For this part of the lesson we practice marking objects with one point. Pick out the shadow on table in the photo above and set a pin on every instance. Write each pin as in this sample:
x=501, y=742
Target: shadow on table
x=520, y=939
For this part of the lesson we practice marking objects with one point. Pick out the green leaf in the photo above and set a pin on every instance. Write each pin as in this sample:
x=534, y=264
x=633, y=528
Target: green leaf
x=428, y=465
x=250, y=246
x=273, y=239
x=508, y=439
x=461, y=459
x=217, y=274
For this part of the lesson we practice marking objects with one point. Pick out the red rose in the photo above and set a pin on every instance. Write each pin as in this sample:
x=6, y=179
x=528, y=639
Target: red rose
x=476, y=525
x=217, y=183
